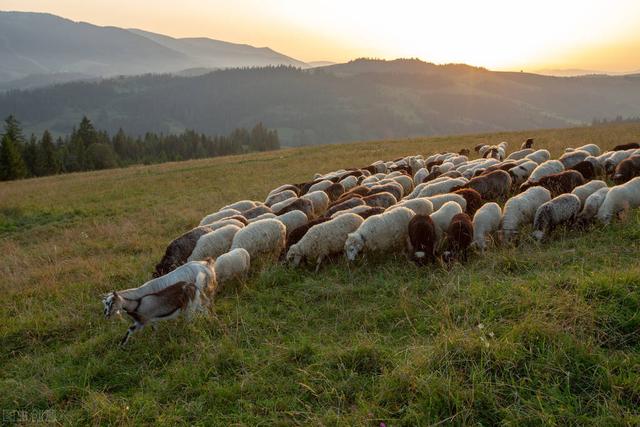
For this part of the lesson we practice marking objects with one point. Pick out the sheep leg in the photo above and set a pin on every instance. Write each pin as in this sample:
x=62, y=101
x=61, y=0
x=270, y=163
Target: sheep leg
x=132, y=329
x=318, y=262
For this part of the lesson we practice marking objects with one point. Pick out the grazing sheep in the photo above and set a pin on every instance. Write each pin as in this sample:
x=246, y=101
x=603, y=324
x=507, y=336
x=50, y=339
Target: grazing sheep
x=473, y=199
x=622, y=147
x=460, y=236
x=406, y=183
x=560, y=183
x=438, y=201
x=265, y=238
x=234, y=264
x=492, y=186
x=280, y=196
x=441, y=187
x=419, y=206
x=619, y=199
x=234, y=220
x=284, y=187
x=216, y=216
x=242, y=205
x=486, y=221
x=592, y=149
x=293, y=220
x=383, y=200
x=297, y=234
x=334, y=191
x=371, y=211
x=324, y=240
x=504, y=166
x=572, y=158
x=586, y=169
x=592, y=204
x=420, y=175
x=550, y=167
x=263, y=216
x=390, y=187
x=319, y=202
x=347, y=204
x=527, y=144
x=355, y=210
x=539, y=156
x=614, y=160
x=560, y=210
x=256, y=212
x=214, y=244
x=521, y=173
x=464, y=152
x=478, y=147
x=422, y=239
x=442, y=217
x=320, y=186
x=626, y=170
x=379, y=233
x=349, y=182
x=179, y=250
x=299, y=204
x=584, y=191
x=521, y=209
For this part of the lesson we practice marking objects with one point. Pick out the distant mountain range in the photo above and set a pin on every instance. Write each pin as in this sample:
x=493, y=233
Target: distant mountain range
x=38, y=49
x=359, y=100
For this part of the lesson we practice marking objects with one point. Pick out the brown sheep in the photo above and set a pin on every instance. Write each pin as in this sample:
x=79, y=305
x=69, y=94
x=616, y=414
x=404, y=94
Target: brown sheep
x=377, y=210
x=371, y=169
x=383, y=200
x=256, y=212
x=299, y=232
x=286, y=187
x=391, y=187
x=459, y=236
x=478, y=147
x=626, y=170
x=178, y=251
x=626, y=146
x=334, y=191
x=347, y=204
x=432, y=175
x=345, y=197
x=473, y=198
x=586, y=168
x=492, y=186
x=464, y=152
x=557, y=184
x=406, y=170
x=434, y=163
x=527, y=144
x=452, y=174
x=422, y=239
x=504, y=166
x=303, y=205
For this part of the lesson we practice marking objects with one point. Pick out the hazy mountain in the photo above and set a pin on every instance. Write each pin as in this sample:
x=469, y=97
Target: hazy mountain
x=359, y=100
x=41, y=44
x=315, y=64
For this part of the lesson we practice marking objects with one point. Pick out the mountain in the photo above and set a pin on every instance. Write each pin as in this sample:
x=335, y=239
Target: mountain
x=43, y=44
x=360, y=100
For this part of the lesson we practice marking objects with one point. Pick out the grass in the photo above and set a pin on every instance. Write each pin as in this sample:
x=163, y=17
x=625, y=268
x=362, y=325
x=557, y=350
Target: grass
x=538, y=334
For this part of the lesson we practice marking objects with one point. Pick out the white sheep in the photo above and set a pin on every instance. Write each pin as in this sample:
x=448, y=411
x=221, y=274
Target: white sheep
x=521, y=173
x=282, y=188
x=324, y=239
x=349, y=182
x=521, y=209
x=560, y=210
x=619, y=199
x=263, y=216
x=420, y=175
x=593, y=203
x=592, y=149
x=572, y=158
x=242, y=205
x=293, y=220
x=214, y=243
x=421, y=206
x=320, y=186
x=485, y=221
x=520, y=154
x=405, y=182
x=217, y=216
x=223, y=223
x=280, y=197
x=355, y=210
x=441, y=187
x=319, y=200
x=379, y=233
x=442, y=217
x=549, y=167
x=539, y=156
x=585, y=190
x=262, y=238
x=615, y=158
x=234, y=264
x=441, y=199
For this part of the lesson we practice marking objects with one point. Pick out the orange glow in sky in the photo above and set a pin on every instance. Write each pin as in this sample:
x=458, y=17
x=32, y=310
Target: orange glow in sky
x=497, y=34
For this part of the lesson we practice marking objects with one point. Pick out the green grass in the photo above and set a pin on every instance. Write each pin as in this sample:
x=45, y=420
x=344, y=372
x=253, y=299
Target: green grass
x=537, y=334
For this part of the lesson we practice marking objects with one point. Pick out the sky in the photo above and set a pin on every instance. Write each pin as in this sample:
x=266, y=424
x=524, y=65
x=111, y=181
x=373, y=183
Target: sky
x=601, y=35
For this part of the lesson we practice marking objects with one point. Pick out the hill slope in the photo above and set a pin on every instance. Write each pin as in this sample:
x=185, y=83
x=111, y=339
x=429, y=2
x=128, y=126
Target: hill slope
x=41, y=44
x=360, y=100
x=536, y=334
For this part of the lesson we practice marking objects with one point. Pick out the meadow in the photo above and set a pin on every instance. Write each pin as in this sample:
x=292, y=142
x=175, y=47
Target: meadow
x=537, y=334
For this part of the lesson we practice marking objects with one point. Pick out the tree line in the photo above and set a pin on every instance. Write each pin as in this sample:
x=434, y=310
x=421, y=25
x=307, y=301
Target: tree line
x=87, y=148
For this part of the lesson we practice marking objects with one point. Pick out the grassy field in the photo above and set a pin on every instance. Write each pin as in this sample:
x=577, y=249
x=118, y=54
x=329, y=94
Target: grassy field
x=537, y=334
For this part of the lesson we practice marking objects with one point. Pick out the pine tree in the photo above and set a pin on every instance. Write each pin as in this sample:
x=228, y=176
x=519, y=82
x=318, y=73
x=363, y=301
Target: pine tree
x=11, y=163
x=29, y=154
x=46, y=161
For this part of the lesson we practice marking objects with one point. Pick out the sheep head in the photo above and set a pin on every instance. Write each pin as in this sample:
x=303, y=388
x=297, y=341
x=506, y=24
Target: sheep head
x=353, y=246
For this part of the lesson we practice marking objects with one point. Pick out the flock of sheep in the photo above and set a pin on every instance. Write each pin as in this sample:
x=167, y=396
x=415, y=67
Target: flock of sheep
x=435, y=208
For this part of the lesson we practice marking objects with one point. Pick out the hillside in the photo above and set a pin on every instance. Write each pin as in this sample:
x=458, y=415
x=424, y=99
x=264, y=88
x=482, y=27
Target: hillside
x=359, y=100
x=530, y=335
x=38, y=44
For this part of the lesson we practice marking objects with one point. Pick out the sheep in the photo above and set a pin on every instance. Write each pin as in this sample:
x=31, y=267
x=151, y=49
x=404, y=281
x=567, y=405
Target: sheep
x=441, y=199
x=527, y=144
x=299, y=204
x=238, y=221
x=179, y=250
x=560, y=210
x=592, y=149
x=585, y=190
x=473, y=199
x=419, y=176
x=441, y=187
x=334, y=191
x=521, y=173
x=320, y=186
x=284, y=187
x=234, y=264
x=406, y=183
x=492, y=186
x=592, y=204
x=420, y=206
x=296, y=234
x=626, y=170
x=167, y=303
x=504, y=166
x=256, y=212
x=560, y=183
x=478, y=147
x=379, y=233
x=265, y=238
x=572, y=158
x=390, y=187
x=539, y=156
x=324, y=240
x=263, y=216
x=278, y=197
x=612, y=162
x=344, y=205
x=521, y=209
x=242, y=205
x=485, y=221
x=549, y=167
x=623, y=147
x=319, y=202
x=293, y=220
x=451, y=174
x=459, y=236
x=371, y=211
x=464, y=152
x=216, y=216
x=349, y=182
x=586, y=169
x=383, y=199
x=619, y=199
x=214, y=244
x=356, y=210
x=442, y=217
x=422, y=239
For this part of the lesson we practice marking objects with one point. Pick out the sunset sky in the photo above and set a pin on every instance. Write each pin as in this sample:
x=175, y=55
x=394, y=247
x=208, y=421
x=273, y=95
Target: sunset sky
x=498, y=34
